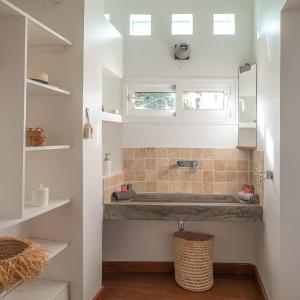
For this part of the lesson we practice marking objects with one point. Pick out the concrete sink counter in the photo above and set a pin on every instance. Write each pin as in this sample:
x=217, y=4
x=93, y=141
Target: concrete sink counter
x=186, y=207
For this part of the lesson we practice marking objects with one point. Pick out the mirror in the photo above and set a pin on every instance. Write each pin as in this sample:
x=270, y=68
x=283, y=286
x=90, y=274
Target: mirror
x=247, y=106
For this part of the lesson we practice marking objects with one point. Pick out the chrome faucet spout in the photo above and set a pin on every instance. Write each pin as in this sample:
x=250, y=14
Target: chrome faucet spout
x=193, y=164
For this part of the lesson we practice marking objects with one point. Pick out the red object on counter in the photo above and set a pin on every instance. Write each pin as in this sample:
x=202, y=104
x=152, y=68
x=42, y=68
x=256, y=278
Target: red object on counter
x=123, y=188
x=246, y=190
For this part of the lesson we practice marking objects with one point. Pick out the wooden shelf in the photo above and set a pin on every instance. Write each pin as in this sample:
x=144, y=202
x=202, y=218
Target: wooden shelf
x=108, y=117
x=32, y=212
x=38, y=289
x=35, y=89
x=47, y=148
x=39, y=35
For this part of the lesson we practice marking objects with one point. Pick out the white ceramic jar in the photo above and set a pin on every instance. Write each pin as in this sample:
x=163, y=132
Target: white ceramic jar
x=40, y=196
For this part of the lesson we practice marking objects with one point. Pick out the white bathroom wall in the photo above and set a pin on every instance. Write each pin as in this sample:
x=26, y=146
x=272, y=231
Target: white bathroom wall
x=179, y=135
x=268, y=66
x=92, y=89
x=152, y=240
x=290, y=144
x=212, y=56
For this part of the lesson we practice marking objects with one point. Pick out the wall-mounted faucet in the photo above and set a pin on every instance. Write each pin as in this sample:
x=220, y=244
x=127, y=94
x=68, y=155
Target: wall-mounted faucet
x=263, y=175
x=193, y=164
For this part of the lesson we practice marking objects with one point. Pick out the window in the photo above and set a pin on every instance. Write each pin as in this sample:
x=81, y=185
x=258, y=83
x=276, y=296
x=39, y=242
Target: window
x=182, y=24
x=224, y=24
x=151, y=99
x=107, y=17
x=140, y=25
x=203, y=100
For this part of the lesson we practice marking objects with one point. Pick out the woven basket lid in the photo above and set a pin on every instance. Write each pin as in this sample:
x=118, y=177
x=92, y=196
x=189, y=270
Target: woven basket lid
x=193, y=236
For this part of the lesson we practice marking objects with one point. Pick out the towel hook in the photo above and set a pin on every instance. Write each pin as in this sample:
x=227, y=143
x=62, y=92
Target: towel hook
x=87, y=113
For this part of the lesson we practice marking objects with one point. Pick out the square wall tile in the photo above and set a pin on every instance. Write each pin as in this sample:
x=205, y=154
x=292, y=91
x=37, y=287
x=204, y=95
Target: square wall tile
x=139, y=153
x=150, y=152
x=162, y=153
x=173, y=153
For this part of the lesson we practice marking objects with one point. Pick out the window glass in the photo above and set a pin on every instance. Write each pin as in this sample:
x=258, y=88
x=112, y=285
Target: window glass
x=197, y=100
x=154, y=100
x=182, y=24
x=224, y=24
x=140, y=24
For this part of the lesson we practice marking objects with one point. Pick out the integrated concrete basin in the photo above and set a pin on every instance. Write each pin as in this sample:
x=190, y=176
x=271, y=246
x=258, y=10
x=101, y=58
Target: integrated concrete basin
x=187, y=207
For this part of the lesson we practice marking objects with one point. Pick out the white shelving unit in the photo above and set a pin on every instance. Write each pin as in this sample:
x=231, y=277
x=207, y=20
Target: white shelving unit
x=39, y=35
x=47, y=148
x=25, y=32
x=40, y=289
x=36, y=89
x=26, y=43
x=32, y=212
x=108, y=117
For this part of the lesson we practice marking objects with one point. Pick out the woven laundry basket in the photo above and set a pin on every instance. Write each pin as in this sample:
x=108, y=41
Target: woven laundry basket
x=20, y=260
x=194, y=260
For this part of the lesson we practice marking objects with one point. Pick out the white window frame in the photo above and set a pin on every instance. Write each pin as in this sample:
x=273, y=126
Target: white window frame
x=148, y=87
x=202, y=116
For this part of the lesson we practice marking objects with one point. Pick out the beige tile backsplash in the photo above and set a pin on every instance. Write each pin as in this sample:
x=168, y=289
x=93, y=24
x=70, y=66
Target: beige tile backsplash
x=256, y=167
x=153, y=170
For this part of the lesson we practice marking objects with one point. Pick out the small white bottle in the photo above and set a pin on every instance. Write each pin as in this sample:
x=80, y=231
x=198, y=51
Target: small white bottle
x=40, y=196
x=107, y=165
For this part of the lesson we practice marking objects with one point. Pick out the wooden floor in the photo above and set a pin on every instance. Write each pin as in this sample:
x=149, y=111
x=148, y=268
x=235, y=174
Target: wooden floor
x=162, y=286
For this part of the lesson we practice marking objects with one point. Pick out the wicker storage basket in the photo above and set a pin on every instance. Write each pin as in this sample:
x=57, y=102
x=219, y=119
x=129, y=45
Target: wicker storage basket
x=20, y=260
x=35, y=137
x=193, y=260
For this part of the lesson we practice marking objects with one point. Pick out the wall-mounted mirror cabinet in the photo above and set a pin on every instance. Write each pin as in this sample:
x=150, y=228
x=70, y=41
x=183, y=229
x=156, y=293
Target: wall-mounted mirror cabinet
x=247, y=106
